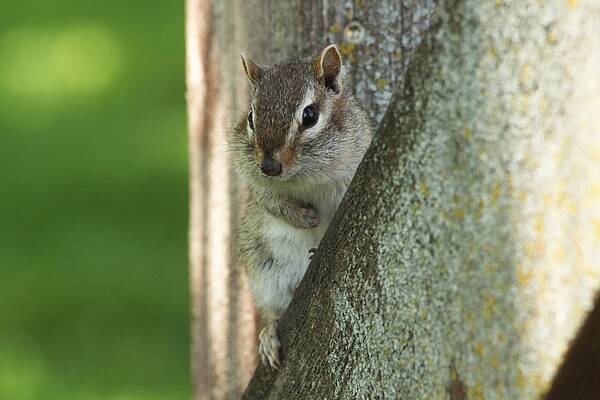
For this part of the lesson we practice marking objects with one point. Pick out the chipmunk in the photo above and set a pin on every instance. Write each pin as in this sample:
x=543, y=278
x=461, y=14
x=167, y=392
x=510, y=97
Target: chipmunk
x=297, y=149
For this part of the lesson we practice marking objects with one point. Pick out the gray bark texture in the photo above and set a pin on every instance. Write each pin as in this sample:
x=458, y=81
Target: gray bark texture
x=465, y=254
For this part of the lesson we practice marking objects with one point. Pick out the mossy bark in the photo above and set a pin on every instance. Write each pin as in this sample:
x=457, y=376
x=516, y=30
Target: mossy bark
x=465, y=253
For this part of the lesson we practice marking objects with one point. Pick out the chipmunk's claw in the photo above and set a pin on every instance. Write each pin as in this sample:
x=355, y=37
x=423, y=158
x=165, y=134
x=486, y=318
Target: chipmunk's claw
x=269, y=345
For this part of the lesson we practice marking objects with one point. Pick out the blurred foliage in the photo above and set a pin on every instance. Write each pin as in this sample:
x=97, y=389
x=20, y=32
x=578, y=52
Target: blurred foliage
x=93, y=201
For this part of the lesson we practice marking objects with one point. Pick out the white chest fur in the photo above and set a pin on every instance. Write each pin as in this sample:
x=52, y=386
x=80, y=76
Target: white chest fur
x=289, y=248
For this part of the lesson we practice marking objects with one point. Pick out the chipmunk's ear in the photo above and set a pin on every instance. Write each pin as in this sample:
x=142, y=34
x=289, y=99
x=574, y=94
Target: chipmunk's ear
x=252, y=69
x=328, y=68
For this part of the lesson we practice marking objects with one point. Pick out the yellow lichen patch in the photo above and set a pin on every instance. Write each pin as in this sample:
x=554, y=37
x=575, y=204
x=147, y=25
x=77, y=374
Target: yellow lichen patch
x=530, y=161
x=489, y=307
x=495, y=193
x=494, y=362
x=453, y=373
x=547, y=200
x=501, y=337
x=560, y=193
x=492, y=52
x=476, y=392
x=479, y=349
x=525, y=75
x=458, y=213
x=469, y=317
x=335, y=28
x=523, y=277
x=571, y=3
x=538, y=224
x=381, y=83
x=347, y=50
x=520, y=195
x=551, y=37
x=467, y=132
x=538, y=381
x=521, y=379
x=423, y=188
x=480, y=205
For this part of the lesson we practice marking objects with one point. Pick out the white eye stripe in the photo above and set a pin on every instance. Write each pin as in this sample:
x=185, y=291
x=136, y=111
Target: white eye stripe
x=248, y=129
x=324, y=117
x=308, y=99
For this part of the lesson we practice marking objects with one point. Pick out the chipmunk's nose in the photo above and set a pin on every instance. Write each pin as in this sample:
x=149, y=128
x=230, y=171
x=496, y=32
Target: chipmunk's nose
x=270, y=166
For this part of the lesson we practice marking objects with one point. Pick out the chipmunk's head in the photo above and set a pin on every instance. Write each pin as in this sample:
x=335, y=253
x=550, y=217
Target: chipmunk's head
x=295, y=115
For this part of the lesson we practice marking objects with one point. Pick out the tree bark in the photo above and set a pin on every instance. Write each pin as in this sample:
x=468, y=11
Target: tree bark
x=464, y=255
x=223, y=323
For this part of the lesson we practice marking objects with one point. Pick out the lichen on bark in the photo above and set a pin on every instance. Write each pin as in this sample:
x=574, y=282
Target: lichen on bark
x=464, y=256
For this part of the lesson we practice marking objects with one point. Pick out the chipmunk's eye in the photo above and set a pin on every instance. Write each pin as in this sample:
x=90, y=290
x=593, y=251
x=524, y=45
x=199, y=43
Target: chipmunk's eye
x=250, y=123
x=310, y=116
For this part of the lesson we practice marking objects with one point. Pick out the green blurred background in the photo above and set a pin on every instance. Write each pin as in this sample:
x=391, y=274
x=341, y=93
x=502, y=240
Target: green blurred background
x=93, y=201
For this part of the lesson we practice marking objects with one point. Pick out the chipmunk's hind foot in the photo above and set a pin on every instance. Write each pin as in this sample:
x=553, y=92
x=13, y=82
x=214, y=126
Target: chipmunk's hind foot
x=268, y=347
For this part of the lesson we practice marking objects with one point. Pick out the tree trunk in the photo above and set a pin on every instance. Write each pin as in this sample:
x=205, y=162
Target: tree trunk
x=369, y=36
x=223, y=323
x=464, y=256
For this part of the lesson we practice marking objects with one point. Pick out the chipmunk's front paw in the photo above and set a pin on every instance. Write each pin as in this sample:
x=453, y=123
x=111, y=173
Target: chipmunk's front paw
x=310, y=217
x=313, y=253
x=268, y=347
